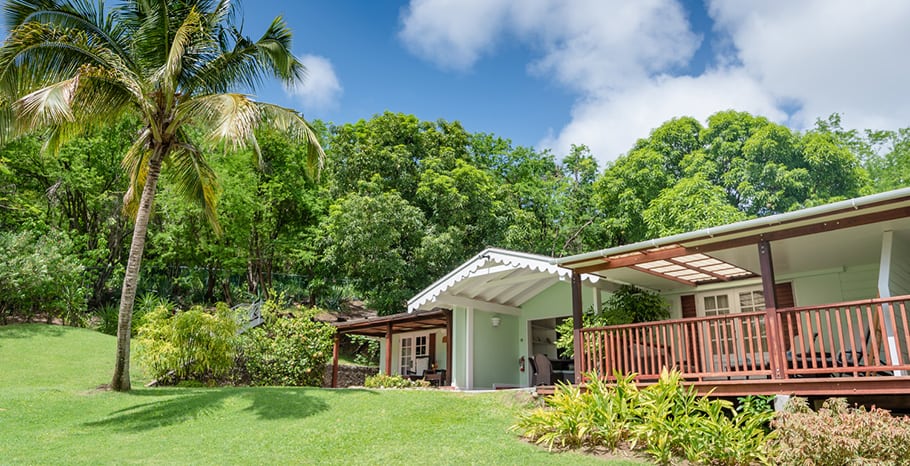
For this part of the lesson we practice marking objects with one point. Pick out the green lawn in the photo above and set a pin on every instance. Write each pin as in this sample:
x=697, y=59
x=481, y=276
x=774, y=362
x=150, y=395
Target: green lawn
x=51, y=413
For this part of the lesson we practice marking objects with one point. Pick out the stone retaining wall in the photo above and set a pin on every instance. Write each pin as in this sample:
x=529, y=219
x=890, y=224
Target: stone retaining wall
x=348, y=376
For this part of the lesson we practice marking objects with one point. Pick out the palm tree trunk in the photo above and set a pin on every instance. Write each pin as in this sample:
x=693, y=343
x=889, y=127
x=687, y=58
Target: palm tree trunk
x=121, y=380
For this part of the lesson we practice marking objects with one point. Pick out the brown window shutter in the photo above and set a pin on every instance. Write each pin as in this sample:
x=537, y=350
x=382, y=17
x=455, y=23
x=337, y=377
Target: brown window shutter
x=784, y=294
x=688, y=306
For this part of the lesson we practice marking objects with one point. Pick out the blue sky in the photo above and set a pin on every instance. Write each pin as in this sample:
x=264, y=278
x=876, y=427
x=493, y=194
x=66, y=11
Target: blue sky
x=376, y=72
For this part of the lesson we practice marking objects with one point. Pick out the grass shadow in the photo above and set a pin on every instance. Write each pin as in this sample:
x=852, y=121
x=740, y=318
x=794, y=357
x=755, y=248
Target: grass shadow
x=17, y=330
x=173, y=406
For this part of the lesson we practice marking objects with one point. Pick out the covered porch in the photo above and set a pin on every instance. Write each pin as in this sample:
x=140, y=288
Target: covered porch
x=425, y=332
x=812, y=302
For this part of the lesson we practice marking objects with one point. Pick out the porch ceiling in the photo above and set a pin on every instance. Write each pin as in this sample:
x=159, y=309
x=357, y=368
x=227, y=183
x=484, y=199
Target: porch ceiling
x=496, y=280
x=821, y=250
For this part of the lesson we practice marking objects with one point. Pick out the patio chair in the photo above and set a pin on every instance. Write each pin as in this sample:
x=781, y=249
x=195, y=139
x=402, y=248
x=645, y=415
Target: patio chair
x=543, y=374
x=810, y=360
x=854, y=358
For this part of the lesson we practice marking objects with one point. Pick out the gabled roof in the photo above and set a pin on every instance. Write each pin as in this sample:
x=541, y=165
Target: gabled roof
x=495, y=279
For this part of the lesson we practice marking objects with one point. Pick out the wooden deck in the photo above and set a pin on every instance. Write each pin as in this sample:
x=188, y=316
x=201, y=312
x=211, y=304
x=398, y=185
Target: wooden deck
x=852, y=348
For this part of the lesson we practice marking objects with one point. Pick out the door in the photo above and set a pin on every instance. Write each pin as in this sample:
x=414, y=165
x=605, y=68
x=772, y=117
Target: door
x=728, y=342
x=414, y=356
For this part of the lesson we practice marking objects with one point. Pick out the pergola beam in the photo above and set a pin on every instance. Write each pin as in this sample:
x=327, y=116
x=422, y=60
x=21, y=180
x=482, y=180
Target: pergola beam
x=663, y=275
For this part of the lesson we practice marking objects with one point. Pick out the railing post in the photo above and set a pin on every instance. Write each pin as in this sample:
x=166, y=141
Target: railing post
x=577, y=324
x=776, y=359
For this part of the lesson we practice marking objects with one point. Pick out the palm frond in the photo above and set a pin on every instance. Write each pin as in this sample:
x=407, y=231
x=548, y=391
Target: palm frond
x=183, y=39
x=135, y=163
x=86, y=16
x=229, y=118
x=275, y=47
x=35, y=55
x=248, y=63
x=196, y=180
x=48, y=106
x=97, y=101
x=292, y=123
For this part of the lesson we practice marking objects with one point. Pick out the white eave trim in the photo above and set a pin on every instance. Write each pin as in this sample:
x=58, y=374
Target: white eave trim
x=502, y=257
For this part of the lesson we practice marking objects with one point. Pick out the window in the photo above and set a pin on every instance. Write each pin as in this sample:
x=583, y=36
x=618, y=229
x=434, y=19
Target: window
x=751, y=301
x=420, y=346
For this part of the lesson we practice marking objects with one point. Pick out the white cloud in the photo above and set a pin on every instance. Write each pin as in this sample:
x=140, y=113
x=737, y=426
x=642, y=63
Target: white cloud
x=321, y=88
x=622, y=59
x=452, y=33
x=610, y=124
x=829, y=55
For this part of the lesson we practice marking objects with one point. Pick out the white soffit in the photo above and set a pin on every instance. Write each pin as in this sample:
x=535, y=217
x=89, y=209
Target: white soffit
x=496, y=276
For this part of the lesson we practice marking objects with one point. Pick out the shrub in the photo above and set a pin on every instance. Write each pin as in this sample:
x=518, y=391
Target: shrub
x=41, y=274
x=839, y=434
x=664, y=420
x=287, y=349
x=188, y=345
x=107, y=319
x=393, y=381
x=366, y=349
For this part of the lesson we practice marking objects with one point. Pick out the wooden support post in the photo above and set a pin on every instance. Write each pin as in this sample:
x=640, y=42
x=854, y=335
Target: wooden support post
x=776, y=357
x=388, y=349
x=577, y=323
x=335, y=360
x=448, y=380
x=431, y=350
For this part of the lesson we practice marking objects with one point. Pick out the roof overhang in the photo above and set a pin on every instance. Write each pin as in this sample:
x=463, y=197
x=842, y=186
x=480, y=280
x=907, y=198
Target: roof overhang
x=397, y=323
x=812, y=238
x=497, y=280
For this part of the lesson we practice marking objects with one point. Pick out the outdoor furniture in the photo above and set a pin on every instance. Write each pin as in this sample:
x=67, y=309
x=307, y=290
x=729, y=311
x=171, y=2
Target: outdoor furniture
x=563, y=370
x=543, y=375
x=436, y=378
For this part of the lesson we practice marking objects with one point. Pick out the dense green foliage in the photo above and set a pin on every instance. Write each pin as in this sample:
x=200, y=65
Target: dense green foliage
x=289, y=348
x=402, y=201
x=840, y=434
x=188, y=345
x=664, y=420
x=47, y=388
x=41, y=274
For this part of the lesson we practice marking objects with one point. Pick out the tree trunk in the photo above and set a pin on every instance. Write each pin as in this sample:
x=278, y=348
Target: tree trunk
x=121, y=380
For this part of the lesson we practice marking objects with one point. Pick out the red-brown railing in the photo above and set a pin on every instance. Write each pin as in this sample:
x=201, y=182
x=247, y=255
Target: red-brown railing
x=844, y=339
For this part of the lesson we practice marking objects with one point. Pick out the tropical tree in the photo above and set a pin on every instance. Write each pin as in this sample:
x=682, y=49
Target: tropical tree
x=68, y=65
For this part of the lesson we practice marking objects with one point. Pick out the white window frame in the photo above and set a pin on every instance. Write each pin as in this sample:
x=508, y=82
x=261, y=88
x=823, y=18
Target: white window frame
x=732, y=298
x=417, y=351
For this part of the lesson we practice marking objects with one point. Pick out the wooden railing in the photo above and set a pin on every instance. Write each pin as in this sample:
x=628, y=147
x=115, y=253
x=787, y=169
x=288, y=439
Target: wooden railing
x=844, y=339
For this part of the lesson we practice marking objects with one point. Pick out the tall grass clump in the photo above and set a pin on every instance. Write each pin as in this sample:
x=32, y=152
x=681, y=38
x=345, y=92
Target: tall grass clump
x=666, y=421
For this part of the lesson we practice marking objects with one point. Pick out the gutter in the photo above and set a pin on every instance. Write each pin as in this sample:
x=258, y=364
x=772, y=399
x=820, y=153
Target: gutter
x=786, y=217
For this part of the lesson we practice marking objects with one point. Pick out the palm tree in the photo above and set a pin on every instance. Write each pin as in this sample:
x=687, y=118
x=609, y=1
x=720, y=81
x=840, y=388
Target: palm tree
x=68, y=65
